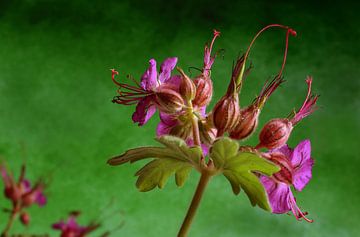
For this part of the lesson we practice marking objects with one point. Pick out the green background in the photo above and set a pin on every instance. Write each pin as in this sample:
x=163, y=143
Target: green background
x=56, y=91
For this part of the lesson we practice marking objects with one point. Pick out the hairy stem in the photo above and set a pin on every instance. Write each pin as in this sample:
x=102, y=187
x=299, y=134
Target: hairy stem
x=185, y=227
x=196, y=133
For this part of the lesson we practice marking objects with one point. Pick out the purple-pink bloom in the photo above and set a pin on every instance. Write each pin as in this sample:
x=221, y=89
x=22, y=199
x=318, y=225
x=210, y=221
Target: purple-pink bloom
x=296, y=170
x=21, y=191
x=71, y=228
x=144, y=94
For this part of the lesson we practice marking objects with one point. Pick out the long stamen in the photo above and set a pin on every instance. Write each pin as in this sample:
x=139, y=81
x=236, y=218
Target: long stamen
x=208, y=59
x=216, y=34
x=289, y=31
x=309, y=105
x=267, y=90
x=297, y=212
x=128, y=94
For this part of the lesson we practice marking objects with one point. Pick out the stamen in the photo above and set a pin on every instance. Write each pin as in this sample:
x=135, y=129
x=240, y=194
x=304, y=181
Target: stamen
x=267, y=90
x=309, y=105
x=289, y=31
x=297, y=212
x=216, y=34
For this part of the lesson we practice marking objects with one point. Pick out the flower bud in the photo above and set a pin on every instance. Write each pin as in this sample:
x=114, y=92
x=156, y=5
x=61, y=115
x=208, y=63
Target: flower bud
x=247, y=123
x=187, y=87
x=182, y=130
x=168, y=100
x=285, y=174
x=275, y=133
x=25, y=218
x=226, y=113
x=207, y=131
x=204, y=91
x=13, y=193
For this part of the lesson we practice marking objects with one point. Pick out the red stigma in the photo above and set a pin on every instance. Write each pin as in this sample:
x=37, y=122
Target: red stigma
x=292, y=32
x=216, y=33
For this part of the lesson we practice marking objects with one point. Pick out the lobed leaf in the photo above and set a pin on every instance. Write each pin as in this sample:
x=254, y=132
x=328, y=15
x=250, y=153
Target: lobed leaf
x=176, y=157
x=242, y=169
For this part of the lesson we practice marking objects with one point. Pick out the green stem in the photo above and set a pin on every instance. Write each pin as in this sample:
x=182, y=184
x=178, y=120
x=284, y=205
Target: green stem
x=204, y=179
x=13, y=214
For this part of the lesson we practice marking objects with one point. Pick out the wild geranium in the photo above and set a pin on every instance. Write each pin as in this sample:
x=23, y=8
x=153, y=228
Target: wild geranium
x=71, y=227
x=156, y=90
x=22, y=195
x=295, y=170
x=194, y=137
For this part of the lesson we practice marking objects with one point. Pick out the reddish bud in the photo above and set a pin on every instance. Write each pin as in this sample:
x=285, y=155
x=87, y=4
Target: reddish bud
x=226, y=113
x=204, y=91
x=182, y=130
x=207, y=131
x=286, y=170
x=168, y=100
x=275, y=133
x=187, y=87
x=247, y=123
x=25, y=218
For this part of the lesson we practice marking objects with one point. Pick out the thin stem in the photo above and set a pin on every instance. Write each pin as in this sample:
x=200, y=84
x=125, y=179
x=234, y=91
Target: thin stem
x=196, y=134
x=204, y=179
x=13, y=214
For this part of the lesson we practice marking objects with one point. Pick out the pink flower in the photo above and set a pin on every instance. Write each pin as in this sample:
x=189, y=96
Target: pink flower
x=71, y=228
x=150, y=94
x=296, y=170
x=22, y=193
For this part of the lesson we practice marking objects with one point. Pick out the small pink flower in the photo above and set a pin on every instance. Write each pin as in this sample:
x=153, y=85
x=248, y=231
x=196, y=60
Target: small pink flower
x=71, y=228
x=296, y=170
x=144, y=95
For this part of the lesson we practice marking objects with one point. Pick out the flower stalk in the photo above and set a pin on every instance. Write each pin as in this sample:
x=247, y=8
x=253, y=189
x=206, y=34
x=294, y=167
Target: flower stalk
x=204, y=180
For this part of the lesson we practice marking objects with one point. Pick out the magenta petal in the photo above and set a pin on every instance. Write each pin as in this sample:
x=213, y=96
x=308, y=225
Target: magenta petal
x=144, y=110
x=203, y=111
x=279, y=195
x=41, y=199
x=59, y=226
x=285, y=149
x=167, y=122
x=165, y=69
x=149, y=78
x=72, y=224
x=302, y=163
x=174, y=82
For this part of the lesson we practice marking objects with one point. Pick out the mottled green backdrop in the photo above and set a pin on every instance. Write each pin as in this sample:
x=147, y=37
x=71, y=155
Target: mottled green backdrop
x=56, y=91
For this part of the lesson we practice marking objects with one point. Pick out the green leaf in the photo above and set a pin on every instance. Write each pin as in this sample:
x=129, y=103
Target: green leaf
x=242, y=169
x=175, y=148
x=176, y=157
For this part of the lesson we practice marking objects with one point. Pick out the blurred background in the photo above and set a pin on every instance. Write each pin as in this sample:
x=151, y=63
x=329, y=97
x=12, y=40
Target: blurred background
x=56, y=92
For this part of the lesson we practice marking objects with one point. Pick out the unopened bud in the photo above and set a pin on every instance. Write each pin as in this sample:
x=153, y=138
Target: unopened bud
x=204, y=91
x=25, y=218
x=169, y=101
x=182, y=130
x=226, y=113
x=13, y=193
x=248, y=121
x=187, y=87
x=275, y=133
x=207, y=131
x=285, y=174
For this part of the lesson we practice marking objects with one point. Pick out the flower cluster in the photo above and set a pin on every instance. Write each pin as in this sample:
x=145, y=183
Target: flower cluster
x=21, y=194
x=183, y=103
